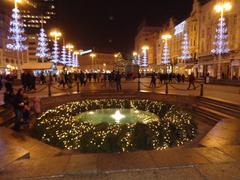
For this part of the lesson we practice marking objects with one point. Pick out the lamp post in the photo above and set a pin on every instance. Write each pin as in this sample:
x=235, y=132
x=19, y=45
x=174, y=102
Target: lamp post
x=145, y=56
x=56, y=35
x=70, y=48
x=76, y=63
x=221, y=36
x=92, y=55
x=135, y=54
x=166, y=54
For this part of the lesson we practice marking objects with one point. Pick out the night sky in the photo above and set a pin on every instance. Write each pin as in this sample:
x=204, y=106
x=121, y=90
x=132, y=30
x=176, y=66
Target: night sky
x=111, y=25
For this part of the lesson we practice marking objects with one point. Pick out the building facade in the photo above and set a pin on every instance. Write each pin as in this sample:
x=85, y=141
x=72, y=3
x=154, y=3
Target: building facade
x=37, y=13
x=200, y=27
x=147, y=37
x=101, y=62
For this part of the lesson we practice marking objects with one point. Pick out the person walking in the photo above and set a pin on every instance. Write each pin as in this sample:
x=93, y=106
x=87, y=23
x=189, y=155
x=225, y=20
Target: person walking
x=153, y=80
x=118, y=81
x=191, y=81
x=18, y=108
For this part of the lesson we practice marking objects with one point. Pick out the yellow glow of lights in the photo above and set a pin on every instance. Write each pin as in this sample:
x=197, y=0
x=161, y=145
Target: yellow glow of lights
x=220, y=8
x=145, y=48
x=55, y=34
x=115, y=55
x=92, y=55
x=76, y=53
x=69, y=46
x=135, y=54
x=166, y=36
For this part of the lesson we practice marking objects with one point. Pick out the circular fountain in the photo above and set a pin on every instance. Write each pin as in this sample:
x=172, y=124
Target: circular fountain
x=115, y=125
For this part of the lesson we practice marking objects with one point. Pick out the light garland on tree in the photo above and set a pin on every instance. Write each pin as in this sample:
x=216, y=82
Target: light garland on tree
x=221, y=38
x=64, y=56
x=139, y=60
x=70, y=58
x=42, y=49
x=75, y=58
x=16, y=31
x=55, y=53
x=165, y=54
x=145, y=58
x=185, y=48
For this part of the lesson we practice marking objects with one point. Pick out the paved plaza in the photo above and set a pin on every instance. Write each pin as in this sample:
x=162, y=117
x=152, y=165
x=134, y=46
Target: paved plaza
x=214, y=154
x=220, y=92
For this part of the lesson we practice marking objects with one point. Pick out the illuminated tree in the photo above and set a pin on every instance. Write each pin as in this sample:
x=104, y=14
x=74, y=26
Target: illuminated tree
x=185, y=48
x=42, y=49
x=55, y=53
x=16, y=32
x=64, y=56
x=165, y=54
x=221, y=38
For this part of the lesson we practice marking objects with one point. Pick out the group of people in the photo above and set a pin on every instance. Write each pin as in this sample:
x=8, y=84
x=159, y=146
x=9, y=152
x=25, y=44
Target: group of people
x=113, y=79
x=28, y=80
x=21, y=105
x=169, y=78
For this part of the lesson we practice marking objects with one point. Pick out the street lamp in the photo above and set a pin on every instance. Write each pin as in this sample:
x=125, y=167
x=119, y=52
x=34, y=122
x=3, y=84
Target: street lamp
x=92, y=55
x=145, y=56
x=75, y=63
x=70, y=48
x=135, y=54
x=165, y=54
x=221, y=36
x=56, y=35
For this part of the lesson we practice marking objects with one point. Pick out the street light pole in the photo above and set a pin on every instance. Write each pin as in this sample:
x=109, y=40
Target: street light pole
x=220, y=49
x=165, y=58
x=92, y=55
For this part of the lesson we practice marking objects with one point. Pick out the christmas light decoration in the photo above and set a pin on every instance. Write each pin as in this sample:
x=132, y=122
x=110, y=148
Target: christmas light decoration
x=70, y=58
x=165, y=54
x=145, y=56
x=16, y=32
x=221, y=38
x=185, y=48
x=75, y=59
x=64, y=56
x=139, y=59
x=55, y=53
x=42, y=49
x=62, y=127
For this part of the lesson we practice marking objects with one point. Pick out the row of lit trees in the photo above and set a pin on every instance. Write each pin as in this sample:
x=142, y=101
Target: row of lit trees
x=17, y=40
x=220, y=42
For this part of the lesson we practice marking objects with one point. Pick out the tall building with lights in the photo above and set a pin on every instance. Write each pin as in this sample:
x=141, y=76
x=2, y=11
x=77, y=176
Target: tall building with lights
x=36, y=13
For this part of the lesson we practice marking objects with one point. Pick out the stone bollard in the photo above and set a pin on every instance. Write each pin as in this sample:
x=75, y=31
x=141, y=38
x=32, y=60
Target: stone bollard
x=166, y=90
x=49, y=89
x=201, y=90
x=78, y=89
x=139, y=83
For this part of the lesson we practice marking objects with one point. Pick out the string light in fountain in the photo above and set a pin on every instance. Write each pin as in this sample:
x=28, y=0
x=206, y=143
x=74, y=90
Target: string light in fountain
x=118, y=116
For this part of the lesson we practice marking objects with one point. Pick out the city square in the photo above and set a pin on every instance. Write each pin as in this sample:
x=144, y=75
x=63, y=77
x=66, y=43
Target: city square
x=119, y=90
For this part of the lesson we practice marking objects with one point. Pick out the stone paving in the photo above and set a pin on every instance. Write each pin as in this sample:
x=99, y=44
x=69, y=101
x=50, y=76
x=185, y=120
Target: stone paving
x=22, y=157
x=219, y=159
x=220, y=92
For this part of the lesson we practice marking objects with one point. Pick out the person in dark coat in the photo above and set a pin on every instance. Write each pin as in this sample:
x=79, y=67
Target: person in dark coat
x=18, y=108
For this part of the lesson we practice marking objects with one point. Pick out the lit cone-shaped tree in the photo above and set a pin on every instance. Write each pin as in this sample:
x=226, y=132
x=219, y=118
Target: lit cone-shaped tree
x=221, y=38
x=16, y=36
x=165, y=54
x=55, y=53
x=70, y=60
x=185, y=48
x=64, y=56
x=42, y=49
